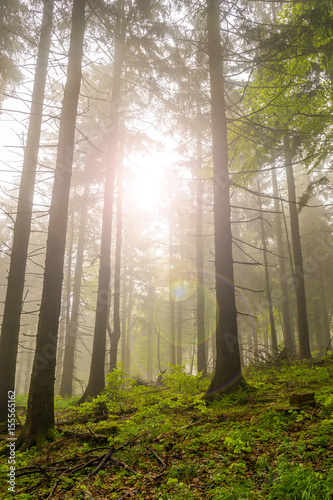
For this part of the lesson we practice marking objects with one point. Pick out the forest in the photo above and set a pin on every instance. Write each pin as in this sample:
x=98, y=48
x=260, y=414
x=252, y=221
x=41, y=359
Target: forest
x=166, y=249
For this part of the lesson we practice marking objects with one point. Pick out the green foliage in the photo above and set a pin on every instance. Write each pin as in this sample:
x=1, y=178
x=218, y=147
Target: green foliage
x=21, y=399
x=116, y=381
x=237, y=448
x=237, y=398
x=114, y=395
x=262, y=463
x=63, y=403
x=236, y=445
x=328, y=402
x=183, y=471
x=178, y=380
x=235, y=492
x=108, y=428
x=300, y=483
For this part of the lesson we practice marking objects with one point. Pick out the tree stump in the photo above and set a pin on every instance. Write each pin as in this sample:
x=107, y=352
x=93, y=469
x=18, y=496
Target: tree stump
x=303, y=399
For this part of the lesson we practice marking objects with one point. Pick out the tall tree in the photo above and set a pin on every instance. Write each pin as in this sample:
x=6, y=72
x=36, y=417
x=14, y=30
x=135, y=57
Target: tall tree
x=66, y=387
x=39, y=424
x=116, y=332
x=302, y=317
x=286, y=315
x=199, y=246
x=228, y=374
x=16, y=276
x=267, y=281
x=96, y=380
x=171, y=288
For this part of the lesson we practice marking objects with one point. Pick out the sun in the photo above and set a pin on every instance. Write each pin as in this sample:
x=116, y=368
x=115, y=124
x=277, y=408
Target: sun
x=146, y=180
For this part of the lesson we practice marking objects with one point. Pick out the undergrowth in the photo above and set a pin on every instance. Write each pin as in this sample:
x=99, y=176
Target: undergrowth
x=166, y=443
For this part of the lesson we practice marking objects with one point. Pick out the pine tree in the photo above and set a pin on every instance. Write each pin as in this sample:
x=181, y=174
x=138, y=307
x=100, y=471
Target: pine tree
x=39, y=424
x=16, y=276
x=228, y=373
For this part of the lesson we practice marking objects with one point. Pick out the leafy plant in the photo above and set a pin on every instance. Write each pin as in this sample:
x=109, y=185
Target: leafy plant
x=114, y=395
x=238, y=467
x=300, y=483
x=237, y=445
x=21, y=399
x=183, y=471
x=117, y=380
x=179, y=380
x=62, y=403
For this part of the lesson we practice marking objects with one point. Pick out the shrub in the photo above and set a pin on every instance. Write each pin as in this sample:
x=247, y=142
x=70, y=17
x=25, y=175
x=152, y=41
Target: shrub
x=301, y=483
x=179, y=380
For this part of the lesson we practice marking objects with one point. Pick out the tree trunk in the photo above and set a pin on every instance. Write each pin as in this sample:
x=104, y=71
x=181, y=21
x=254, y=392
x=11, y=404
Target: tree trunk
x=19, y=373
x=326, y=334
x=129, y=327
x=16, y=276
x=96, y=382
x=267, y=284
x=179, y=350
x=66, y=388
x=171, y=294
x=150, y=349
x=285, y=301
x=201, y=354
x=302, y=319
x=115, y=335
x=69, y=266
x=228, y=374
x=40, y=412
x=123, y=324
x=60, y=353
x=29, y=359
x=64, y=325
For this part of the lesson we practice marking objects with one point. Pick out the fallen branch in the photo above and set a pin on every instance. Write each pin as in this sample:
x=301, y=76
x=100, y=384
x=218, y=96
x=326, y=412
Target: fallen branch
x=86, y=436
x=122, y=464
x=101, y=459
x=54, y=487
x=100, y=466
x=159, y=459
x=71, y=470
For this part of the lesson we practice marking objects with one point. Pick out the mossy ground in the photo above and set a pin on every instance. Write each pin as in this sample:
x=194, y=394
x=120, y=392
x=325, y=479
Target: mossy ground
x=169, y=445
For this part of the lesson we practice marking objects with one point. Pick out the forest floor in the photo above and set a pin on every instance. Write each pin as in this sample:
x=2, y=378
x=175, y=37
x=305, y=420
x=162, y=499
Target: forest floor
x=163, y=443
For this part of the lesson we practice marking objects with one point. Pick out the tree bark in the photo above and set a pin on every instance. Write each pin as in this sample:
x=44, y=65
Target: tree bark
x=39, y=424
x=326, y=334
x=63, y=325
x=171, y=294
x=289, y=339
x=96, y=382
x=29, y=359
x=150, y=347
x=302, y=318
x=16, y=276
x=129, y=328
x=116, y=332
x=179, y=350
x=199, y=240
x=123, y=323
x=66, y=387
x=267, y=283
x=228, y=374
x=60, y=353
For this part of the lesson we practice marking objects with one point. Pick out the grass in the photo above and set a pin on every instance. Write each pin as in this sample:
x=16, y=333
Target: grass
x=172, y=446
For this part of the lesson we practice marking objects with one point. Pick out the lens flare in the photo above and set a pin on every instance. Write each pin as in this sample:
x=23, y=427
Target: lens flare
x=180, y=291
x=184, y=293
